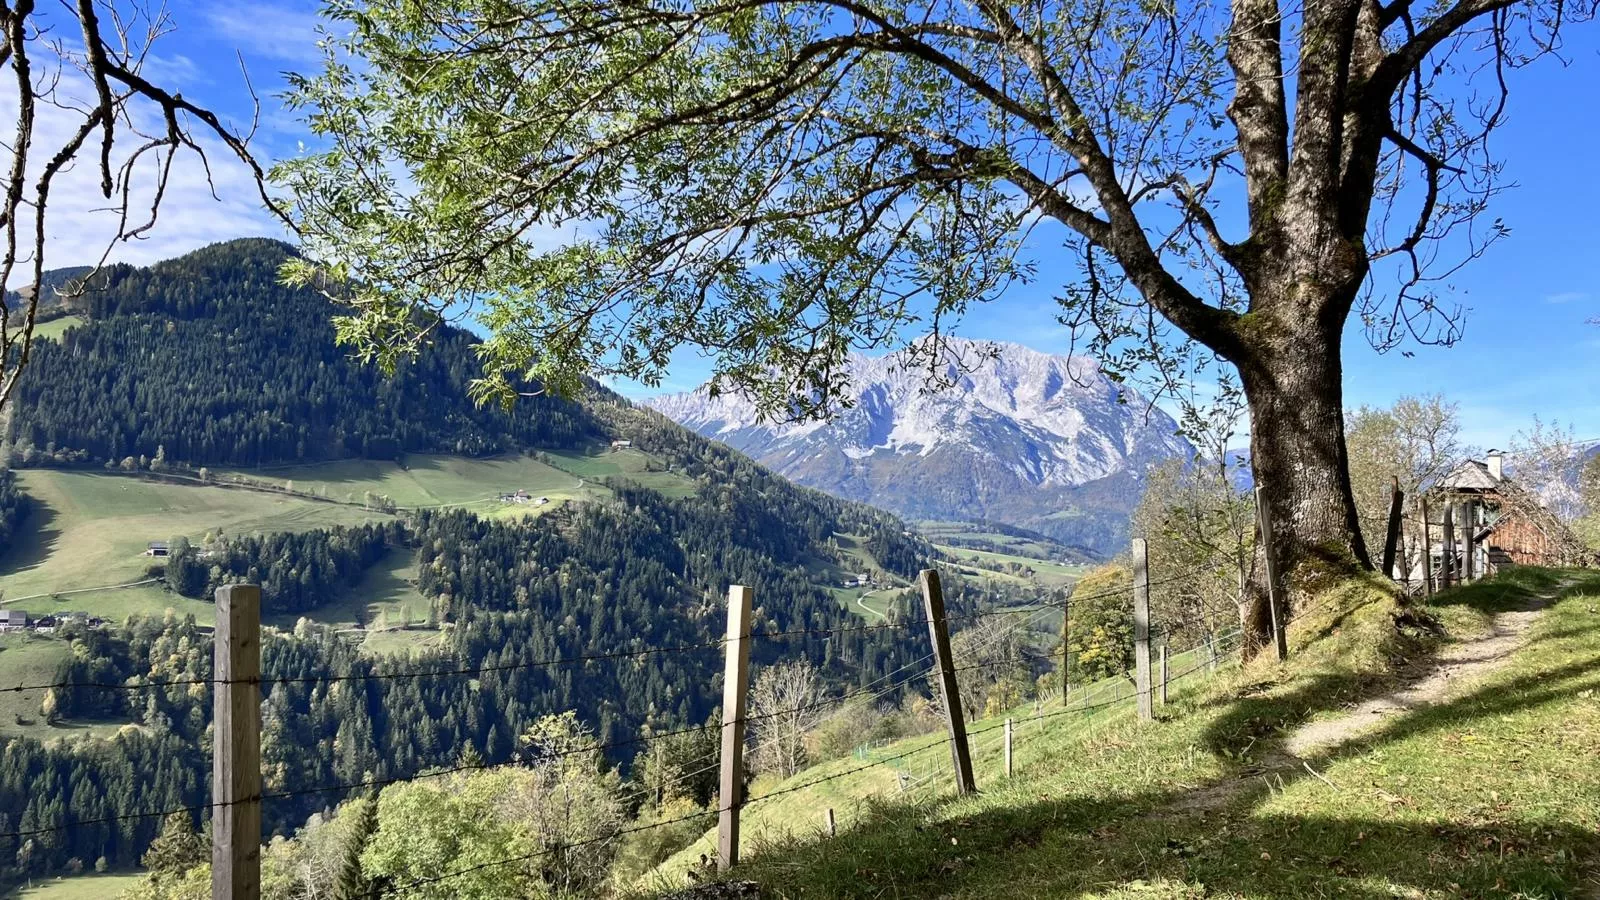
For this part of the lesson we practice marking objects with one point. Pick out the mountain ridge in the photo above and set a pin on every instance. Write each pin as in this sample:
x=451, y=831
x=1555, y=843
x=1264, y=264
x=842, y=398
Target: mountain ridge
x=1012, y=434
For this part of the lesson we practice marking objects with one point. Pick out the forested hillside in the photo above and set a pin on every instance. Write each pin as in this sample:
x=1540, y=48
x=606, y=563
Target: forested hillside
x=208, y=358
x=206, y=361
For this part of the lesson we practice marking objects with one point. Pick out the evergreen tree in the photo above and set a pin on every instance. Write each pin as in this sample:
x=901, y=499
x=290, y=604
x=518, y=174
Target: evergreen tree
x=352, y=882
x=177, y=849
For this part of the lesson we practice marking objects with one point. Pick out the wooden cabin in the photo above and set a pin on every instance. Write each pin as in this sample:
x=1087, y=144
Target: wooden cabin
x=1506, y=523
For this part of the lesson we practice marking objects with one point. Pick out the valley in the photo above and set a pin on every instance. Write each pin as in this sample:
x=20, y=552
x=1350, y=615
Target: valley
x=393, y=530
x=85, y=547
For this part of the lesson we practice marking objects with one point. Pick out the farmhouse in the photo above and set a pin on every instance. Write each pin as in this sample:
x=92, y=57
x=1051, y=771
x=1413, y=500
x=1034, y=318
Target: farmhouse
x=1508, y=525
x=157, y=548
x=13, y=620
x=621, y=445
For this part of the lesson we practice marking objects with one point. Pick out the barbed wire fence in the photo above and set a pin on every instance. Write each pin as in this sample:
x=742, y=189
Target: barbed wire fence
x=236, y=802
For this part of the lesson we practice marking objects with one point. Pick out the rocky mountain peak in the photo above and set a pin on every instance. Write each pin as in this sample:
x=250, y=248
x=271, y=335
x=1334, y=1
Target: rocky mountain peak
x=990, y=421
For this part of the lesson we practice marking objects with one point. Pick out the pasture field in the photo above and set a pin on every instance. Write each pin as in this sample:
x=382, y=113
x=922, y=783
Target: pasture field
x=401, y=642
x=29, y=659
x=870, y=603
x=1046, y=573
x=634, y=465
x=78, y=887
x=89, y=530
x=385, y=597
x=54, y=328
x=430, y=480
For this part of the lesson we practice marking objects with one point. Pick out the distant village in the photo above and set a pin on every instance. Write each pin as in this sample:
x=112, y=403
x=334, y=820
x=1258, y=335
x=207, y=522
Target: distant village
x=523, y=497
x=17, y=620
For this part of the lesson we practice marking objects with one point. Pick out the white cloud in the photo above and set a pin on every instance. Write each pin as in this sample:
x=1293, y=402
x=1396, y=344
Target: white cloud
x=279, y=31
x=80, y=221
x=1567, y=297
x=178, y=70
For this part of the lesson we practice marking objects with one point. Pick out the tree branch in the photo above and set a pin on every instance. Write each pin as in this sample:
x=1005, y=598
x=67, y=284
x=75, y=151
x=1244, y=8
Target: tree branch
x=1259, y=109
x=1394, y=68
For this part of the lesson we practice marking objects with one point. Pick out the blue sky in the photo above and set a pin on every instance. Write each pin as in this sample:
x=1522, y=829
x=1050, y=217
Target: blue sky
x=1527, y=349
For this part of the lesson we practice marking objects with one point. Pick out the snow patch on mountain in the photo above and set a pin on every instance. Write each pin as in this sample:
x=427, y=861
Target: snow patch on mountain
x=1049, y=421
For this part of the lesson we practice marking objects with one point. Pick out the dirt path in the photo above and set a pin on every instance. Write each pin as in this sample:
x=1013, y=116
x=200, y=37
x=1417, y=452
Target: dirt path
x=1464, y=661
x=1470, y=659
x=861, y=601
x=87, y=590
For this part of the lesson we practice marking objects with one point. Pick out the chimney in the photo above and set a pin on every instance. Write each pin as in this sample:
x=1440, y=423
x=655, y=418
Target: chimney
x=1495, y=470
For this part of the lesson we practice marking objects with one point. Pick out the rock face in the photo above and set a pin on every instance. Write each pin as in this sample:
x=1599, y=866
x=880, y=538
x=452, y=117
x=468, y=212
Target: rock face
x=1002, y=433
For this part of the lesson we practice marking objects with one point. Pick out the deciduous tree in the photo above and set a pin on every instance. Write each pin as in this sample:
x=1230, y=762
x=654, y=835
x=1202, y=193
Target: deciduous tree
x=1200, y=528
x=1415, y=442
x=779, y=183
x=785, y=704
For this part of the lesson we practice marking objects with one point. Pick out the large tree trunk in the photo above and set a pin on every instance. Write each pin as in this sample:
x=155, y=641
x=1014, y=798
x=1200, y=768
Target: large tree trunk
x=1293, y=379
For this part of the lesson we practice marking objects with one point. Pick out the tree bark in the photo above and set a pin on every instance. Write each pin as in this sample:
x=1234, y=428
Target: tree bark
x=1292, y=378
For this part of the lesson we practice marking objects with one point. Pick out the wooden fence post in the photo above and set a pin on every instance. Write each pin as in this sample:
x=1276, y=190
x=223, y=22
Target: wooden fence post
x=1447, y=568
x=236, y=746
x=1280, y=630
x=1008, y=748
x=1392, y=540
x=1066, y=650
x=735, y=688
x=1466, y=542
x=1141, y=628
x=939, y=634
x=828, y=822
x=1427, y=550
x=1164, y=673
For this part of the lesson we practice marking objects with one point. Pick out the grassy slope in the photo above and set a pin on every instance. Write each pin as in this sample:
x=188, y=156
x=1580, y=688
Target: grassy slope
x=82, y=887
x=431, y=480
x=27, y=659
x=89, y=529
x=632, y=465
x=850, y=786
x=1492, y=792
x=56, y=327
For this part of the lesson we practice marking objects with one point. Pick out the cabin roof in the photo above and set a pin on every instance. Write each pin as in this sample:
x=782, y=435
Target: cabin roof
x=1470, y=475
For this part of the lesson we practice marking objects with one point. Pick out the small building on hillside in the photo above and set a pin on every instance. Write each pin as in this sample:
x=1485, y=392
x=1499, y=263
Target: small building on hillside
x=13, y=620
x=1507, y=524
x=157, y=548
x=621, y=445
